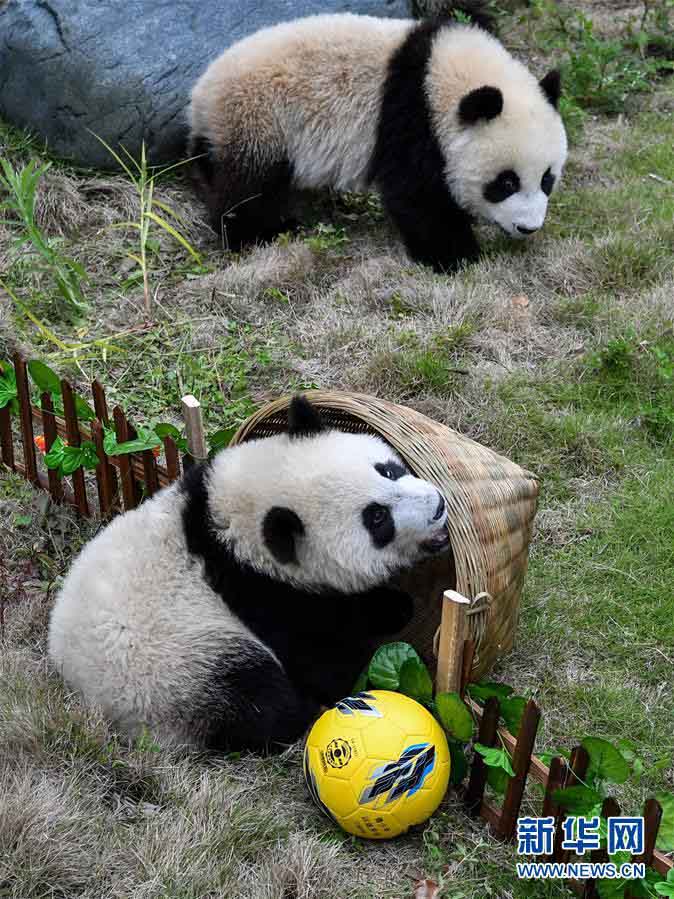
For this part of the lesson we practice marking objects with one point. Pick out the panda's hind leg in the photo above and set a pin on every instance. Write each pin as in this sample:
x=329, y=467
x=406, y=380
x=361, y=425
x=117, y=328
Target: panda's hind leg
x=248, y=702
x=246, y=204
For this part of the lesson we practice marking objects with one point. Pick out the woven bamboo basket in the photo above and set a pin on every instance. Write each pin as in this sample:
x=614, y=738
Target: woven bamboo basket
x=491, y=502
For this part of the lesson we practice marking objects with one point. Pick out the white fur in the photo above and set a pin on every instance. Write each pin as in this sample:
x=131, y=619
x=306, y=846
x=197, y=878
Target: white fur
x=135, y=622
x=310, y=91
x=528, y=136
x=326, y=480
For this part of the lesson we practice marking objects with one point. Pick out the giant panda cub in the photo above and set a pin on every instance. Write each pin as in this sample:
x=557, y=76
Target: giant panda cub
x=223, y=612
x=436, y=115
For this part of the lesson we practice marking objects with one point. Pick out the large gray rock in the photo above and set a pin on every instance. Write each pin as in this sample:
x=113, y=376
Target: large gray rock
x=124, y=68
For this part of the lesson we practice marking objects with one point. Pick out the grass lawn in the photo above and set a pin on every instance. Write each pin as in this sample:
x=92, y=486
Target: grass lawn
x=558, y=353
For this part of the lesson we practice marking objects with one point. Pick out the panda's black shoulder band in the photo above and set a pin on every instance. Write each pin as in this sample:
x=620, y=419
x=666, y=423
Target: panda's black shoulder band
x=196, y=515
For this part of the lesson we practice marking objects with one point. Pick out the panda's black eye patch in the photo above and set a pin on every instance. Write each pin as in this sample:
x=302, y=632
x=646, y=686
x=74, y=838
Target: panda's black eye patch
x=503, y=186
x=391, y=470
x=547, y=182
x=379, y=524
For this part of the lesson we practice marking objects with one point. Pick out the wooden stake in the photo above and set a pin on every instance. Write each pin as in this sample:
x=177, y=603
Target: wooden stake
x=49, y=430
x=478, y=771
x=609, y=809
x=6, y=444
x=74, y=439
x=453, y=632
x=521, y=762
x=106, y=480
x=26, y=415
x=194, y=428
x=125, y=470
x=172, y=459
x=575, y=773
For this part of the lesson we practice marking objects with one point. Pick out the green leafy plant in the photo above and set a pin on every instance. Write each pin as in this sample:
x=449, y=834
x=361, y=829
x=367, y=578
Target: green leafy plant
x=397, y=666
x=8, y=388
x=20, y=187
x=326, y=237
x=144, y=177
x=65, y=459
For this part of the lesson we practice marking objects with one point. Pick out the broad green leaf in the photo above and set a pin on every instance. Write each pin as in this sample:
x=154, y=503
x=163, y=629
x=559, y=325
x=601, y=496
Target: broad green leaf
x=578, y=799
x=8, y=390
x=145, y=440
x=606, y=762
x=384, y=670
x=44, y=377
x=164, y=429
x=512, y=709
x=220, y=439
x=547, y=757
x=497, y=779
x=415, y=681
x=72, y=459
x=458, y=764
x=611, y=889
x=109, y=441
x=455, y=716
x=54, y=457
x=665, y=842
x=83, y=409
x=7, y=395
x=495, y=758
x=89, y=454
x=485, y=690
x=666, y=887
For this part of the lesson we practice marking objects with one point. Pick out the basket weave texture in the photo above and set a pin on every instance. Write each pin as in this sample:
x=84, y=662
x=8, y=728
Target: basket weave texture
x=491, y=503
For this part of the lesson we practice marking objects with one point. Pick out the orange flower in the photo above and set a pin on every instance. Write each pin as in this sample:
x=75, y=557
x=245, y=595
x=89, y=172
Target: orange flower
x=40, y=443
x=156, y=450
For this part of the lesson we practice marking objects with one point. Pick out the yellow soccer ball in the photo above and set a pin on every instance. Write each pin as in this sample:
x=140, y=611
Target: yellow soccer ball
x=377, y=763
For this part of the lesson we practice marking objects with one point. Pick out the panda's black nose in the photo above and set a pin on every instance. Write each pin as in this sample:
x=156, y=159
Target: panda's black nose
x=524, y=230
x=440, y=509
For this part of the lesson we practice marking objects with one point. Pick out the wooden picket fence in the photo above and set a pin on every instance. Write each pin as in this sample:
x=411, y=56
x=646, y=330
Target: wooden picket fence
x=121, y=481
x=560, y=774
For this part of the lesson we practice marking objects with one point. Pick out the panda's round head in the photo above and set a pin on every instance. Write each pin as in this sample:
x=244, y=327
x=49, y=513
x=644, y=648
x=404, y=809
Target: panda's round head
x=499, y=129
x=322, y=508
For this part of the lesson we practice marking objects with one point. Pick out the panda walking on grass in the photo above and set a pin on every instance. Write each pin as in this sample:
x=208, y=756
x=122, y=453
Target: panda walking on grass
x=437, y=116
x=223, y=612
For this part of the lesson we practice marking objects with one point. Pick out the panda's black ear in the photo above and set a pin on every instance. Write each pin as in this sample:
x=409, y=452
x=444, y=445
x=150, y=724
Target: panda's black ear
x=303, y=418
x=551, y=86
x=280, y=529
x=482, y=103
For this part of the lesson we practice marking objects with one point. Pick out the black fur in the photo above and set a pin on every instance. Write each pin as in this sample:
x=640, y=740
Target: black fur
x=503, y=186
x=379, y=524
x=476, y=10
x=242, y=210
x=408, y=166
x=280, y=529
x=482, y=103
x=551, y=86
x=323, y=640
x=392, y=470
x=547, y=182
x=304, y=420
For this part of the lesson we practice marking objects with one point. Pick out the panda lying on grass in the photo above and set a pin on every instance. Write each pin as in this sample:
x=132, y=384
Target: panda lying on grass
x=437, y=116
x=226, y=610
